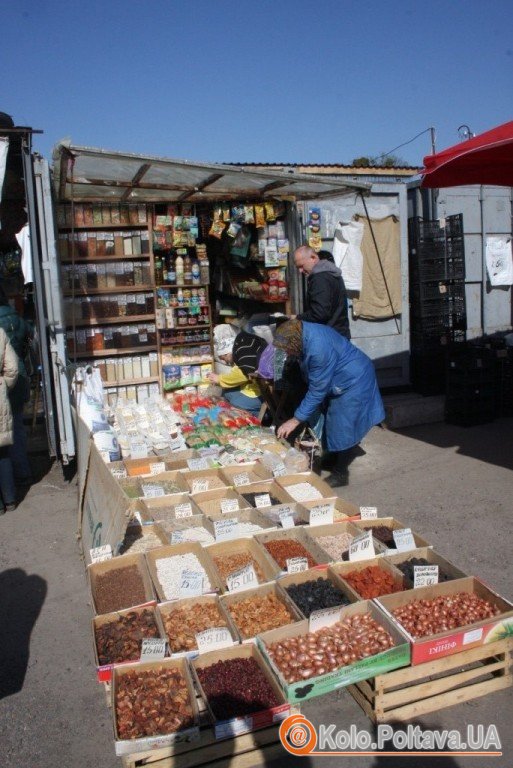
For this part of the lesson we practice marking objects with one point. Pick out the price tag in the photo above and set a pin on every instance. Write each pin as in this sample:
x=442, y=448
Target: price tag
x=199, y=485
x=241, y=479
x=157, y=468
x=326, y=617
x=263, y=500
x=212, y=639
x=100, y=554
x=177, y=537
x=119, y=474
x=196, y=464
x=368, y=513
x=404, y=540
x=183, y=510
x=286, y=517
x=425, y=575
x=321, y=515
x=297, y=564
x=362, y=547
x=229, y=505
x=225, y=459
x=191, y=584
x=153, y=649
x=279, y=470
x=153, y=491
x=226, y=529
x=242, y=579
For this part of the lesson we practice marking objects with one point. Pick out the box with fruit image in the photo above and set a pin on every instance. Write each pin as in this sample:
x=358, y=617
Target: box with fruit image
x=339, y=654
x=421, y=617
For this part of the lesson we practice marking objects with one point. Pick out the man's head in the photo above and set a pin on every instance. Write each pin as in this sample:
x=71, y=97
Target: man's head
x=305, y=259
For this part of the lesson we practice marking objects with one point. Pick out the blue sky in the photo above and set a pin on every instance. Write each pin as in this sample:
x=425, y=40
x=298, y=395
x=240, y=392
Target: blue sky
x=260, y=81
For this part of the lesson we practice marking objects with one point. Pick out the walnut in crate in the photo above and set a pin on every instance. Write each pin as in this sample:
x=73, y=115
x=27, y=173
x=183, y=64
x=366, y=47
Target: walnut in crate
x=152, y=703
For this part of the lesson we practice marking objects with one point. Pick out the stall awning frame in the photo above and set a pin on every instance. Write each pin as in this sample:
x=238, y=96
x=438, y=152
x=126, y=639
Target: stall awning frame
x=88, y=174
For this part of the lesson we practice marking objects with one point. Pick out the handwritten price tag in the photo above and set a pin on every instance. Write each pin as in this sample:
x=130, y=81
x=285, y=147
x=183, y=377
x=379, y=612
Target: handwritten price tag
x=196, y=464
x=404, y=540
x=153, y=491
x=263, y=500
x=183, y=510
x=153, y=649
x=100, y=554
x=191, y=584
x=425, y=575
x=229, y=505
x=226, y=529
x=242, y=579
x=368, y=513
x=199, y=485
x=177, y=537
x=326, y=617
x=321, y=515
x=157, y=468
x=297, y=564
x=286, y=517
x=119, y=474
x=279, y=470
x=213, y=639
x=362, y=547
x=241, y=479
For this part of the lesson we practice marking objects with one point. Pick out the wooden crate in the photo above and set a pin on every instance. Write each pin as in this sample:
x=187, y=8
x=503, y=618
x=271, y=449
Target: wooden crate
x=407, y=693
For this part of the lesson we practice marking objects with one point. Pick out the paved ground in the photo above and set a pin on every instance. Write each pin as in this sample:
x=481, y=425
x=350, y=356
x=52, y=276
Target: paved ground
x=454, y=486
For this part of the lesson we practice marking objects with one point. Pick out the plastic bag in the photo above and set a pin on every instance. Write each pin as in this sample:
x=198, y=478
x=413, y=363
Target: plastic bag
x=499, y=262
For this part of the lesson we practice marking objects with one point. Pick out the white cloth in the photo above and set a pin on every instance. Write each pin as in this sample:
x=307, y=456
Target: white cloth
x=499, y=260
x=347, y=253
x=23, y=238
x=4, y=148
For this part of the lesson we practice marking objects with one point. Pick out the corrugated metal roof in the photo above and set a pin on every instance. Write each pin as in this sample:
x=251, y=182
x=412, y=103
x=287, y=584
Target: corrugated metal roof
x=86, y=173
x=338, y=168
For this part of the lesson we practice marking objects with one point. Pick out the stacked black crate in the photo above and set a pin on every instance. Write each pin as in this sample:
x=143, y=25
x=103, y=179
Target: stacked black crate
x=437, y=291
x=470, y=395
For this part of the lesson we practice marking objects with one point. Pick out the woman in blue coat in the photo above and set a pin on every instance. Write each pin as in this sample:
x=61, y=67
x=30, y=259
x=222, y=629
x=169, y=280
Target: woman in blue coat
x=341, y=383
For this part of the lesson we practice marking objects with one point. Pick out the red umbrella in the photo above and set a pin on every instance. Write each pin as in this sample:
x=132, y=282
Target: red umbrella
x=485, y=159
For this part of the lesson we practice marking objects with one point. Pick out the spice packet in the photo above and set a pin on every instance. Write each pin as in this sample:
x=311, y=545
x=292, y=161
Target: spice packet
x=269, y=211
x=217, y=228
x=249, y=214
x=259, y=215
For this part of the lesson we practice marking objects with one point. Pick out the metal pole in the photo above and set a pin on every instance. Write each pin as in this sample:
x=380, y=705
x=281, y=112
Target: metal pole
x=434, y=211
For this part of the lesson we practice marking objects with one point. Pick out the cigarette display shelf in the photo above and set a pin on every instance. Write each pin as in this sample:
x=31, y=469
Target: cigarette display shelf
x=88, y=259
x=111, y=352
x=123, y=320
x=101, y=291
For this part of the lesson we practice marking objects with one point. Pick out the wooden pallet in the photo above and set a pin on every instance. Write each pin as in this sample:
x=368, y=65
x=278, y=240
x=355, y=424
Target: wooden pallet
x=406, y=693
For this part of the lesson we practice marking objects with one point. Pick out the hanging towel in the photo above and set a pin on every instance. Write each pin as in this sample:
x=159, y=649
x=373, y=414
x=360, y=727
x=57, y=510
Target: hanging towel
x=374, y=302
x=347, y=253
x=23, y=238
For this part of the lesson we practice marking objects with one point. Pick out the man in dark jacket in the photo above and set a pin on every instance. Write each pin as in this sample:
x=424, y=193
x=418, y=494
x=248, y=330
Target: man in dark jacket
x=326, y=298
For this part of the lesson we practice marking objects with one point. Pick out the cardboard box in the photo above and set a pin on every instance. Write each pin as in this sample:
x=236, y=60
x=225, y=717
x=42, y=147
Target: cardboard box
x=266, y=486
x=341, y=569
x=94, y=570
x=149, y=528
x=453, y=640
x=229, y=600
x=131, y=746
x=312, y=575
x=255, y=472
x=302, y=690
x=234, y=727
x=173, y=550
x=211, y=477
x=165, y=508
x=306, y=477
x=246, y=546
x=297, y=512
x=433, y=558
x=297, y=534
x=395, y=525
x=104, y=671
x=335, y=529
x=196, y=521
x=148, y=487
x=209, y=502
x=253, y=516
x=343, y=511
x=167, y=463
x=165, y=609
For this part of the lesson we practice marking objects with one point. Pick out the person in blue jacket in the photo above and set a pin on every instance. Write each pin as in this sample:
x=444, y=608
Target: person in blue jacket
x=341, y=383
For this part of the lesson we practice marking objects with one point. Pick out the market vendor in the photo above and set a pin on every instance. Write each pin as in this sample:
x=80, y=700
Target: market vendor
x=242, y=352
x=341, y=383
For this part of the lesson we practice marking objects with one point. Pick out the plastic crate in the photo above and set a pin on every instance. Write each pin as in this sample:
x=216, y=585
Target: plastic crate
x=428, y=371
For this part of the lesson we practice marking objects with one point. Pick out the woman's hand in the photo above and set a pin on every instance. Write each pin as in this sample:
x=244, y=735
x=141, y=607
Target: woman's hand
x=213, y=377
x=288, y=427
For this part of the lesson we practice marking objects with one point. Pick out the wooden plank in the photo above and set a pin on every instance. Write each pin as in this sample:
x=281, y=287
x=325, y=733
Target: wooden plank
x=367, y=690
x=360, y=699
x=444, y=700
x=250, y=759
x=428, y=689
x=410, y=674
